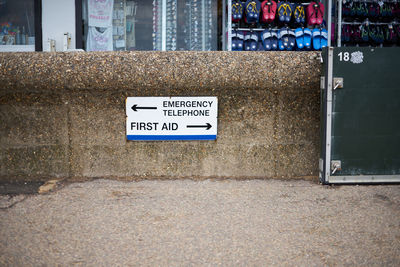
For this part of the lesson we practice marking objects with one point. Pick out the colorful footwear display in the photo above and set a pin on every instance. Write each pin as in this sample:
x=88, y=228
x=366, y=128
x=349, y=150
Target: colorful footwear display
x=370, y=23
x=272, y=25
x=300, y=25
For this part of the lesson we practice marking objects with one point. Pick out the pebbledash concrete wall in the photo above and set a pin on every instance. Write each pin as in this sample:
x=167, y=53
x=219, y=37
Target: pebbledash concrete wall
x=63, y=114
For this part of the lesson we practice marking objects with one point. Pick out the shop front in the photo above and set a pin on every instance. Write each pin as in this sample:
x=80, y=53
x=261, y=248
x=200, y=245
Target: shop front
x=196, y=25
x=20, y=25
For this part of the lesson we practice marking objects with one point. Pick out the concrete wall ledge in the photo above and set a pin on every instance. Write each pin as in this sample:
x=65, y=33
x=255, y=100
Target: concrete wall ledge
x=63, y=114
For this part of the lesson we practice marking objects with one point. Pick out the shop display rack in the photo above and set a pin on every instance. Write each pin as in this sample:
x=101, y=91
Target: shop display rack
x=196, y=24
x=124, y=13
x=368, y=23
x=231, y=28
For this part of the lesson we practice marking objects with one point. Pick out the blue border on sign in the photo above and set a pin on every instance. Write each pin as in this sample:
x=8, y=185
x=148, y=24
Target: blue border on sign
x=170, y=137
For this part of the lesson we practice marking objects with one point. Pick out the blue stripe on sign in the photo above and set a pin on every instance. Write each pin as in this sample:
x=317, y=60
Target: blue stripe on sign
x=170, y=137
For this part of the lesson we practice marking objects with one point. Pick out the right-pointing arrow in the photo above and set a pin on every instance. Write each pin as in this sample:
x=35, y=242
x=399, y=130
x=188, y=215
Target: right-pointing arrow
x=207, y=126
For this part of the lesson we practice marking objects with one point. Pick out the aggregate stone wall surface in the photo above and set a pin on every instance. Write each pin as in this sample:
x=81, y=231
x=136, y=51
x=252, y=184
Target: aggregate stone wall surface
x=63, y=114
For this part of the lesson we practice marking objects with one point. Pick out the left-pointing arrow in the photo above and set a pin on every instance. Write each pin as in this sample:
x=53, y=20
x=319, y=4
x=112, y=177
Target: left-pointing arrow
x=135, y=108
x=207, y=126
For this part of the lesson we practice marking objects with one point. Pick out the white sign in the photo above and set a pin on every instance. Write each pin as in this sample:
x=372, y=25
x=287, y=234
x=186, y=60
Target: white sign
x=171, y=118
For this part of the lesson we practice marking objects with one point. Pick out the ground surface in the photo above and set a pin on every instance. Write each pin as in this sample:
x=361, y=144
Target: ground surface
x=180, y=223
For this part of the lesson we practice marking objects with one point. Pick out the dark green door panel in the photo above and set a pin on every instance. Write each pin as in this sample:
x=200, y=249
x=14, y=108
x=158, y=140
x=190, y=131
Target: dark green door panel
x=366, y=111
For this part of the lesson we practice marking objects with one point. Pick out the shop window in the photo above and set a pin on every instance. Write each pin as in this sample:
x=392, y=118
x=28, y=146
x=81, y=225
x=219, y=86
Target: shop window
x=164, y=25
x=17, y=24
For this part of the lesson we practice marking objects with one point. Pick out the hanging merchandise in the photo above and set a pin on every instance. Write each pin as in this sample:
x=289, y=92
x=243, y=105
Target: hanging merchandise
x=299, y=14
x=237, y=41
x=315, y=12
x=237, y=11
x=251, y=41
x=100, y=13
x=285, y=10
x=268, y=8
x=280, y=25
x=269, y=40
x=369, y=23
x=100, y=39
x=252, y=9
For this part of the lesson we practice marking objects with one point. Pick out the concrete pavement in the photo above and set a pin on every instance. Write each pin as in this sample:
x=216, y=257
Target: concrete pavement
x=202, y=223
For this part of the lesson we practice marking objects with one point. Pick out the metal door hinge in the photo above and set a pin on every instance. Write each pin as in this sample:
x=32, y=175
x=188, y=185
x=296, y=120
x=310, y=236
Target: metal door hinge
x=336, y=165
x=337, y=83
x=322, y=84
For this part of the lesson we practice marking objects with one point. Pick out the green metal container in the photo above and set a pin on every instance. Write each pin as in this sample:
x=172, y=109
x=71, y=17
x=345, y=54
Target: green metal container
x=360, y=115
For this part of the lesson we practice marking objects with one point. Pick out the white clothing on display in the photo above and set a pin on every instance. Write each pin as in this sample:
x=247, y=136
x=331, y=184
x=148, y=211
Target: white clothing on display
x=99, y=41
x=100, y=13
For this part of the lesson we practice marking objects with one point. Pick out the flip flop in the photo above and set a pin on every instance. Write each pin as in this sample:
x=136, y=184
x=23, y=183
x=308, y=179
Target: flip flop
x=311, y=13
x=268, y=8
x=324, y=38
x=265, y=11
x=353, y=10
x=272, y=12
x=289, y=11
x=281, y=10
x=237, y=11
x=359, y=10
x=307, y=38
x=374, y=10
x=266, y=40
x=316, y=35
x=364, y=9
x=320, y=13
x=299, y=38
x=252, y=10
x=299, y=14
x=346, y=9
x=274, y=40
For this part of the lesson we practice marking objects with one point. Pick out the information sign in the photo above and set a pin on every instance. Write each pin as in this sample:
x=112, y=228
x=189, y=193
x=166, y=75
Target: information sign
x=171, y=118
